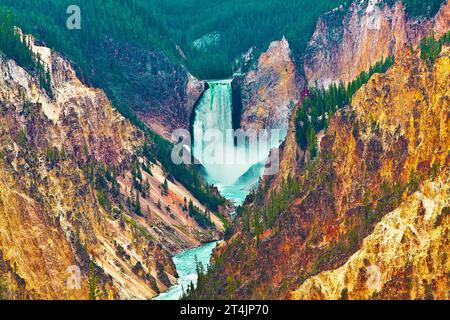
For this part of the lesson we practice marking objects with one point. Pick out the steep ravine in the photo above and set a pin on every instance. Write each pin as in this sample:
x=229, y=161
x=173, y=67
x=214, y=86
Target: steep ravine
x=350, y=39
x=133, y=252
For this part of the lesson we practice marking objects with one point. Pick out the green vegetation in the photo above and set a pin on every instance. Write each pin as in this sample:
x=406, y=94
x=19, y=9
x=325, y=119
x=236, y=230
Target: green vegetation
x=312, y=117
x=430, y=48
x=313, y=114
x=22, y=139
x=124, y=21
x=164, y=24
x=256, y=220
x=344, y=294
x=235, y=26
x=139, y=228
x=445, y=212
x=426, y=8
x=11, y=44
x=189, y=176
x=53, y=155
x=104, y=180
x=201, y=280
x=165, y=188
x=228, y=29
x=94, y=291
x=203, y=219
x=3, y=287
x=15, y=48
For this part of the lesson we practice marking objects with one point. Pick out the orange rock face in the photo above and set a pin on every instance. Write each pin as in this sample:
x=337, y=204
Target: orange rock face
x=403, y=258
x=271, y=89
x=441, y=21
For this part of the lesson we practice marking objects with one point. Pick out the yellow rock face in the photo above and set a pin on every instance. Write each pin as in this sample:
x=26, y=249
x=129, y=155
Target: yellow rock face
x=28, y=242
x=406, y=256
x=375, y=200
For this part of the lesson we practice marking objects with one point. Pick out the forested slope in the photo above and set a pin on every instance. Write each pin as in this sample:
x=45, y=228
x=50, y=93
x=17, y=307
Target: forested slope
x=163, y=25
x=141, y=52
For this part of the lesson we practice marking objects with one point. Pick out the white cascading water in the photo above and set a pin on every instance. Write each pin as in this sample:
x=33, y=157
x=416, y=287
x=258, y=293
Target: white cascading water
x=227, y=165
x=213, y=118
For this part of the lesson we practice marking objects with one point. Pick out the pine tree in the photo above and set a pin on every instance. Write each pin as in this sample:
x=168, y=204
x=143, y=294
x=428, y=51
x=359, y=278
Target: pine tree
x=312, y=143
x=94, y=291
x=22, y=140
x=137, y=208
x=165, y=187
x=146, y=188
x=3, y=287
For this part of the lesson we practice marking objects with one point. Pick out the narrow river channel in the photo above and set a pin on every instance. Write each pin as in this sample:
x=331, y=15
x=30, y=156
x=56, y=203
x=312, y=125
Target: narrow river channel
x=186, y=268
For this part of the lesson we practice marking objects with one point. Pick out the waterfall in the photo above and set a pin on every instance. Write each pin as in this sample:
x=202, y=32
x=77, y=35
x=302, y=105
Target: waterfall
x=213, y=120
x=233, y=168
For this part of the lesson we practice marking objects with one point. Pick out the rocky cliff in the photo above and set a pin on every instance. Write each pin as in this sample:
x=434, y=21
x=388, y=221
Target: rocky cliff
x=159, y=90
x=270, y=89
x=374, y=199
x=350, y=39
x=405, y=257
x=68, y=164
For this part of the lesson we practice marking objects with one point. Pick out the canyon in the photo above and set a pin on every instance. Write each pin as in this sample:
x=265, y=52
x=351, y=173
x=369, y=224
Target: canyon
x=365, y=218
x=381, y=160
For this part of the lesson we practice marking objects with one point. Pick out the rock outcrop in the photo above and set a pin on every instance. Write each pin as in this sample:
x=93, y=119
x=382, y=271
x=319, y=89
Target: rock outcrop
x=271, y=89
x=405, y=257
x=159, y=90
x=349, y=40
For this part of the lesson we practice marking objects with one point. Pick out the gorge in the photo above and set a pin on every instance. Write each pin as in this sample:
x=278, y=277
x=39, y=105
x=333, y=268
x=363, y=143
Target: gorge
x=320, y=141
x=259, y=251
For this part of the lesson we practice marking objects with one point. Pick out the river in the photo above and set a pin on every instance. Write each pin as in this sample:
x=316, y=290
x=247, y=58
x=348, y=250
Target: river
x=186, y=268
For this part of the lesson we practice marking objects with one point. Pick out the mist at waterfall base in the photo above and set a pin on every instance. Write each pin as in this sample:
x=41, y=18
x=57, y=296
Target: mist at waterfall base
x=234, y=168
x=234, y=180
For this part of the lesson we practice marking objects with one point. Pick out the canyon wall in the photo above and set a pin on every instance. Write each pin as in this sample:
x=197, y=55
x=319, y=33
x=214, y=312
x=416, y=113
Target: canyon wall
x=160, y=91
x=405, y=257
x=349, y=40
x=67, y=167
x=271, y=89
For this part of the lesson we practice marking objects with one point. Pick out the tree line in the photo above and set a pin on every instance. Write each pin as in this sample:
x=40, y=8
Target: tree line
x=430, y=47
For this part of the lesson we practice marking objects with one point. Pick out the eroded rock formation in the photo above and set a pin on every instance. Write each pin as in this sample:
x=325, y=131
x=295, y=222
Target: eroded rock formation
x=270, y=90
x=380, y=176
